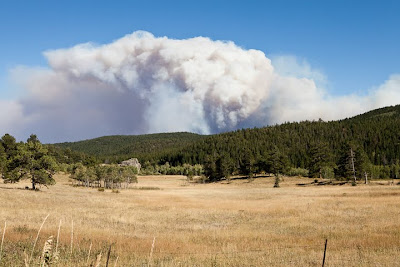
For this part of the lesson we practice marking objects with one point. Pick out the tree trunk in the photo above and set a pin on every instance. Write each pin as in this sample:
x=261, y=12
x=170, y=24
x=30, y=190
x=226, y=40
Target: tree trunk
x=352, y=165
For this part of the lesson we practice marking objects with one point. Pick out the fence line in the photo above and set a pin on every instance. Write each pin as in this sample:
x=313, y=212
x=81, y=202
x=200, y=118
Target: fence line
x=233, y=252
x=245, y=251
x=320, y=247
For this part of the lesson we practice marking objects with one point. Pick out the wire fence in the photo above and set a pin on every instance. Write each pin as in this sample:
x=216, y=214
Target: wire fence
x=354, y=253
x=236, y=251
x=322, y=248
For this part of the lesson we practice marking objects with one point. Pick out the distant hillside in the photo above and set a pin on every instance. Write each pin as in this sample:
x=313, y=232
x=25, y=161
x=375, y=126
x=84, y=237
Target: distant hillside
x=118, y=147
x=375, y=134
x=374, y=137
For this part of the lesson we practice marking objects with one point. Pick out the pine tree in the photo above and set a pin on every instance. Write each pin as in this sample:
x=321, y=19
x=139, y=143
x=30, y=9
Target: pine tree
x=347, y=163
x=30, y=161
x=210, y=167
x=277, y=163
x=3, y=160
x=247, y=163
x=319, y=158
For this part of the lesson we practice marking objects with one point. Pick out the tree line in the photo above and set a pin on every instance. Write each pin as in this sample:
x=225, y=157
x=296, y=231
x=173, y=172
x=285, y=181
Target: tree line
x=116, y=148
x=33, y=161
x=104, y=176
x=366, y=145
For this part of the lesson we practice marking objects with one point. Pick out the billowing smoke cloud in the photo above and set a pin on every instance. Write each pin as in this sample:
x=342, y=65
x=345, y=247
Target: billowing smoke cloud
x=143, y=84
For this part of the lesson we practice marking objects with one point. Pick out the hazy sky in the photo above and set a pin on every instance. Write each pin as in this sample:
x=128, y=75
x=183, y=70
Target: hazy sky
x=338, y=52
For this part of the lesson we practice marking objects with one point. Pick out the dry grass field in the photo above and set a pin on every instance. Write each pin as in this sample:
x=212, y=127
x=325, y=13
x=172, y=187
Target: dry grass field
x=238, y=224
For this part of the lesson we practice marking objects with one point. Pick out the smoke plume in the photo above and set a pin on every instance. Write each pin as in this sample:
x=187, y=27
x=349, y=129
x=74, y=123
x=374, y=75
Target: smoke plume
x=144, y=84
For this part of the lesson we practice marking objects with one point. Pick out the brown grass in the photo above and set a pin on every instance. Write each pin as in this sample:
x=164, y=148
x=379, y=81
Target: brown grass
x=238, y=224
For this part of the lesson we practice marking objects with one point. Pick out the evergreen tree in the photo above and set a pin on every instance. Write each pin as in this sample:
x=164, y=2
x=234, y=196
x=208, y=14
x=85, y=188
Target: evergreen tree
x=347, y=163
x=395, y=170
x=277, y=163
x=223, y=167
x=319, y=158
x=210, y=167
x=3, y=160
x=247, y=163
x=30, y=161
x=362, y=164
x=10, y=145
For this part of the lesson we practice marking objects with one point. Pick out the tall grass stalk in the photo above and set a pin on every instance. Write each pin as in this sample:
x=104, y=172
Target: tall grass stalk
x=98, y=260
x=2, y=240
x=151, y=251
x=88, y=256
x=58, y=235
x=116, y=260
x=26, y=259
x=37, y=237
x=46, y=253
x=72, y=235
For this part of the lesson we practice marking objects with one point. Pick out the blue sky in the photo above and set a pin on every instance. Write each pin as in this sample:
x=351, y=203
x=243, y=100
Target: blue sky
x=354, y=43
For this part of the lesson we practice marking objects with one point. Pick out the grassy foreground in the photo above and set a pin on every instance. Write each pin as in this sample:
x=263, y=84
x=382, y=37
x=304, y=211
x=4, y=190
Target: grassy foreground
x=165, y=221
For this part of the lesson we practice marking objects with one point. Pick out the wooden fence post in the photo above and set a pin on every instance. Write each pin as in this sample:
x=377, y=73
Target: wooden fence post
x=323, y=260
x=108, y=255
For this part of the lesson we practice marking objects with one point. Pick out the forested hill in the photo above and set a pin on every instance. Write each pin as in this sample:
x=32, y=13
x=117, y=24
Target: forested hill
x=121, y=147
x=375, y=136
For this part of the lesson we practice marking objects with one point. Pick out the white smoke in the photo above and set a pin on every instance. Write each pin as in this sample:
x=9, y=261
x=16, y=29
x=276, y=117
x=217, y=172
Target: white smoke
x=144, y=84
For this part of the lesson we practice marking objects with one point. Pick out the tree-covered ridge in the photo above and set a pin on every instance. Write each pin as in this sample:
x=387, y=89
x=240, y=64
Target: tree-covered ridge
x=120, y=147
x=375, y=135
x=369, y=142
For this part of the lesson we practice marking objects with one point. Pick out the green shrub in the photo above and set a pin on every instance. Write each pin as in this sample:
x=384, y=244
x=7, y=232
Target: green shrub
x=297, y=172
x=147, y=188
x=277, y=181
x=202, y=179
x=327, y=172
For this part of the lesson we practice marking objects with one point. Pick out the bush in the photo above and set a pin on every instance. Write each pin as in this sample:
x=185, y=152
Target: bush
x=100, y=189
x=327, y=172
x=147, y=188
x=297, y=172
x=277, y=181
x=202, y=179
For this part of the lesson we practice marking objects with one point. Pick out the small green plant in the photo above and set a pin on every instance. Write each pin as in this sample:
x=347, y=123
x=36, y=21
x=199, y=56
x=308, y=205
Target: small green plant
x=297, y=172
x=23, y=229
x=48, y=257
x=277, y=181
x=202, y=179
x=147, y=188
x=100, y=189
